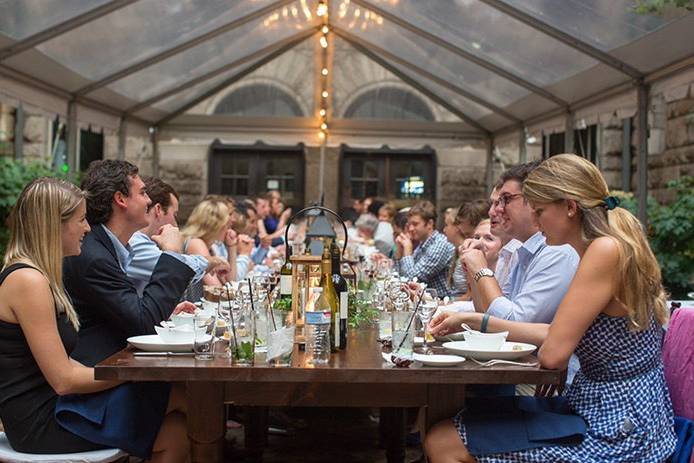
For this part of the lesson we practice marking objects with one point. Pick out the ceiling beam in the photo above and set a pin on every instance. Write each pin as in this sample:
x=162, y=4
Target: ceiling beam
x=236, y=77
x=434, y=78
x=238, y=62
x=463, y=53
x=181, y=47
x=47, y=87
x=565, y=38
x=413, y=83
x=61, y=28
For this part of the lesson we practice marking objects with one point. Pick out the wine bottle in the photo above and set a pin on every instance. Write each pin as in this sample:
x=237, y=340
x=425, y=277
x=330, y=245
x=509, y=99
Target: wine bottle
x=329, y=294
x=284, y=302
x=342, y=291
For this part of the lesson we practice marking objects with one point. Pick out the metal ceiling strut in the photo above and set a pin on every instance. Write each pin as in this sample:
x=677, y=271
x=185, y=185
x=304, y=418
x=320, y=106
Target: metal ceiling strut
x=565, y=38
x=239, y=75
x=434, y=78
x=464, y=54
x=61, y=28
x=238, y=62
x=413, y=83
x=181, y=47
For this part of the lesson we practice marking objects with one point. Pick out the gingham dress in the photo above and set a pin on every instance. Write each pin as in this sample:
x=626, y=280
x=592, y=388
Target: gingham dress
x=620, y=392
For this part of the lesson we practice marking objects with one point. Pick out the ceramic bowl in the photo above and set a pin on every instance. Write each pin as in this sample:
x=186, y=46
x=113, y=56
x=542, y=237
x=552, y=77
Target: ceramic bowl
x=485, y=341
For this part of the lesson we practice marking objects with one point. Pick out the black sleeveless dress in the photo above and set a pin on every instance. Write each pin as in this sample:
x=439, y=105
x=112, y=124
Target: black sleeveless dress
x=27, y=401
x=36, y=420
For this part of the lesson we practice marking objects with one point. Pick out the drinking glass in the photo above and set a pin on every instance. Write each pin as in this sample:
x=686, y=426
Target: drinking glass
x=203, y=337
x=243, y=335
x=427, y=307
x=280, y=339
x=403, y=332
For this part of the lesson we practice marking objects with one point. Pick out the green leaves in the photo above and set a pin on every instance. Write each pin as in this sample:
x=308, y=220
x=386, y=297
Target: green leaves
x=671, y=235
x=360, y=311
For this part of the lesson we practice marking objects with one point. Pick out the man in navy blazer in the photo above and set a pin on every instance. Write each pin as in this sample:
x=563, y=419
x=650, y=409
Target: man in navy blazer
x=106, y=301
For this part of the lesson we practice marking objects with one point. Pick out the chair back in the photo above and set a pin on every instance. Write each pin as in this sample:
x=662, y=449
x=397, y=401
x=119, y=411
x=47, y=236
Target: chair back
x=678, y=359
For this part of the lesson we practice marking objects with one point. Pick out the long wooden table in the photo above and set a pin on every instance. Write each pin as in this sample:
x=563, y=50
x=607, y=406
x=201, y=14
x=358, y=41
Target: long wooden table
x=356, y=377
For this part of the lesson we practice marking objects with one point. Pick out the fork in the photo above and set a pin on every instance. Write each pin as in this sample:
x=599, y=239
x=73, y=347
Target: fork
x=493, y=362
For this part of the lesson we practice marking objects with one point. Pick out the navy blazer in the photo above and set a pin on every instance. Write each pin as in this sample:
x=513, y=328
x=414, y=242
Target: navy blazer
x=107, y=303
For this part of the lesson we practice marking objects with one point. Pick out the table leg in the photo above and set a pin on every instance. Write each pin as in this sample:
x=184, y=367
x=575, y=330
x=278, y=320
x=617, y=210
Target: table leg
x=206, y=421
x=255, y=431
x=443, y=401
x=393, y=426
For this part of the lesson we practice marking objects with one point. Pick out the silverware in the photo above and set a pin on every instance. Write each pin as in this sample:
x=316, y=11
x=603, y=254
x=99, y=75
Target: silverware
x=493, y=362
x=163, y=354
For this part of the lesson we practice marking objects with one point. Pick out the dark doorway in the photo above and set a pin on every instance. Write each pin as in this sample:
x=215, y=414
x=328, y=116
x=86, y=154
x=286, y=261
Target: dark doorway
x=248, y=171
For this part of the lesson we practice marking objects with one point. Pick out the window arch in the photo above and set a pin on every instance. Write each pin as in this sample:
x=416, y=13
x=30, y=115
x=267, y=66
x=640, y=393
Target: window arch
x=259, y=100
x=389, y=103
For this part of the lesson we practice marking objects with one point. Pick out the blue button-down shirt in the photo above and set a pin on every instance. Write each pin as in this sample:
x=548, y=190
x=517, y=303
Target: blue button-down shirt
x=537, y=283
x=430, y=262
x=144, y=255
x=124, y=254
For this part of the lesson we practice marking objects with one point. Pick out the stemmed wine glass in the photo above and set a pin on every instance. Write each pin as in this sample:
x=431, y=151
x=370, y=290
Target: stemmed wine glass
x=429, y=304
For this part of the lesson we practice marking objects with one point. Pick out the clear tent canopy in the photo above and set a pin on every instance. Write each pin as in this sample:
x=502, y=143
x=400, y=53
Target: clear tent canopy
x=489, y=65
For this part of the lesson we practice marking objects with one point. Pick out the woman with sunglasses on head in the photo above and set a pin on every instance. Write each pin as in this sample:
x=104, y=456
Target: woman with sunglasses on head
x=617, y=408
x=38, y=330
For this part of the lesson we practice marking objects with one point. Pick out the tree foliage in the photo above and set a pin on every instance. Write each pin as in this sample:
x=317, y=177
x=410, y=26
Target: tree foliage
x=660, y=6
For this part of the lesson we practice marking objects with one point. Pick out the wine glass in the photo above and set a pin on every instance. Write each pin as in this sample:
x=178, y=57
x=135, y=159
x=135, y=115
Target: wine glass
x=427, y=307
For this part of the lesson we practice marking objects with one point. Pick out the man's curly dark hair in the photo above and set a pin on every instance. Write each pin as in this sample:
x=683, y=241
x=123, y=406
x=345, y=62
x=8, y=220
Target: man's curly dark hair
x=101, y=181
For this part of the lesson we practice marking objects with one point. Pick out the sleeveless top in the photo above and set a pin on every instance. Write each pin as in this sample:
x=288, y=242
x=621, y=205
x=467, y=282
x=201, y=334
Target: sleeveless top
x=24, y=391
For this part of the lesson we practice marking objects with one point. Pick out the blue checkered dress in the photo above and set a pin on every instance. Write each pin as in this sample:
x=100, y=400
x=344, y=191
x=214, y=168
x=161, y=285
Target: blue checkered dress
x=620, y=392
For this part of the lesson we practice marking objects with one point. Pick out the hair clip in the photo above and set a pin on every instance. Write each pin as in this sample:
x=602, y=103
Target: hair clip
x=611, y=202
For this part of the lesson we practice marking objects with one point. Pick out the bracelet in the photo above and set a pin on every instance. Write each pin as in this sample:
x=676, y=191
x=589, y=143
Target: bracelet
x=485, y=321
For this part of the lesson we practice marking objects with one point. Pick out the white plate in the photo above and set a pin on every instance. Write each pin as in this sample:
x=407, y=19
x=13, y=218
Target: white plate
x=509, y=351
x=153, y=343
x=452, y=337
x=439, y=360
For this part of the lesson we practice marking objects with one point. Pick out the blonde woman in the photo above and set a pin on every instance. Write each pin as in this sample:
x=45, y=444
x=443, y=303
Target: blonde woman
x=611, y=317
x=38, y=330
x=208, y=223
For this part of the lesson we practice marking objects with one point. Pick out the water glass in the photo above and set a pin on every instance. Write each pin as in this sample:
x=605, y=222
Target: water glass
x=403, y=332
x=243, y=335
x=385, y=325
x=203, y=337
x=427, y=308
x=280, y=341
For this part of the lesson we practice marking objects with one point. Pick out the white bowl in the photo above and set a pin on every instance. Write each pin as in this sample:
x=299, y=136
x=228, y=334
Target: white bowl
x=178, y=334
x=485, y=341
x=185, y=318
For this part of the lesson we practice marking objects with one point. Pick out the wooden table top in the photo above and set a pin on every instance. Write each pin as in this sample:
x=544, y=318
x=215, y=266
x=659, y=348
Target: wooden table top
x=361, y=362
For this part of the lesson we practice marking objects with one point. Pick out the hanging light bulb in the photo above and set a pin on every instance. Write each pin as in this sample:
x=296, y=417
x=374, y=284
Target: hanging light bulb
x=324, y=94
x=322, y=113
x=323, y=42
x=321, y=135
x=325, y=30
x=322, y=9
x=324, y=126
x=324, y=71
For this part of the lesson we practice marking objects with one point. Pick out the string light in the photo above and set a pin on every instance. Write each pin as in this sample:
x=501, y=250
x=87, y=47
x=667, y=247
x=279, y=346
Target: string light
x=324, y=94
x=322, y=112
x=322, y=9
x=321, y=135
x=323, y=42
x=324, y=71
x=324, y=126
x=325, y=30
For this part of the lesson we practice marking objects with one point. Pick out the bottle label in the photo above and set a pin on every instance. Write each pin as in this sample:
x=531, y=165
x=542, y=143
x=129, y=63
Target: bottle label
x=343, y=305
x=286, y=285
x=318, y=318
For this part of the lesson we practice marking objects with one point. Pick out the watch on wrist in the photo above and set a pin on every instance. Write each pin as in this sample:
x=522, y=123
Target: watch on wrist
x=485, y=272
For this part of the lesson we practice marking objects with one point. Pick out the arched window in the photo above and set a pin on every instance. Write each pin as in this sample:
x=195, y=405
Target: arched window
x=389, y=103
x=259, y=100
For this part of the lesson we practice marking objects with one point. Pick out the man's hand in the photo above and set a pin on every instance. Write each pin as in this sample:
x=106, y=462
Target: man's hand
x=474, y=260
x=246, y=245
x=445, y=323
x=169, y=238
x=218, y=265
x=404, y=241
x=230, y=238
x=185, y=306
x=266, y=241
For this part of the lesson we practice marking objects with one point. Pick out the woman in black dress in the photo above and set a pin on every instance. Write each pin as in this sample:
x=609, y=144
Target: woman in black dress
x=38, y=330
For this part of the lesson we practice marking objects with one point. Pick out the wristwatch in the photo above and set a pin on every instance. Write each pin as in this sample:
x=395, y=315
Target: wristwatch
x=485, y=272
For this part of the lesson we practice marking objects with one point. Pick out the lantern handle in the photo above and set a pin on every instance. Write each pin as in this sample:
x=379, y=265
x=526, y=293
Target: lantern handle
x=301, y=212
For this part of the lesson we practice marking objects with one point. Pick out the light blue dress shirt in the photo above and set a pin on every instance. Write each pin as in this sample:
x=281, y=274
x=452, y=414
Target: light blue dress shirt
x=124, y=254
x=537, y=284
x=145, y=255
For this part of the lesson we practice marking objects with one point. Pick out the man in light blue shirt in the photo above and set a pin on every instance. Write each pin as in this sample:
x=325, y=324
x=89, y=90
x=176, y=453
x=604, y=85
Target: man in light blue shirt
x=542, y=275
x=144, y=252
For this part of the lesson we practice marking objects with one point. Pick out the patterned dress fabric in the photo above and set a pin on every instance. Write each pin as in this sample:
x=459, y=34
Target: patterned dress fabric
x=620, y=392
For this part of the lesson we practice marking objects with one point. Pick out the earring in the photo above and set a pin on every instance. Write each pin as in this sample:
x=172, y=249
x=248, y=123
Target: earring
x=571, y=214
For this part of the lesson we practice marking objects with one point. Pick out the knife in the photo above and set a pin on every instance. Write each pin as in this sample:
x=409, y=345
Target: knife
x=163, y=354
